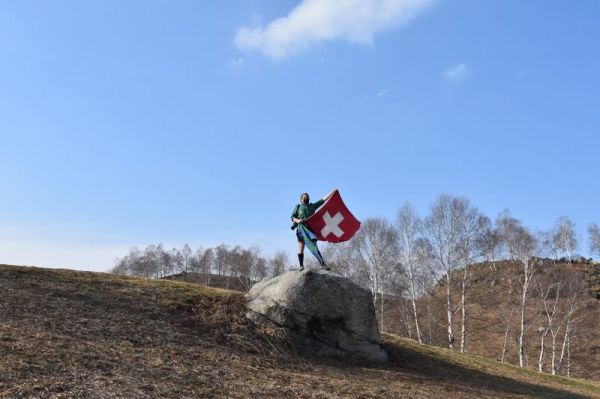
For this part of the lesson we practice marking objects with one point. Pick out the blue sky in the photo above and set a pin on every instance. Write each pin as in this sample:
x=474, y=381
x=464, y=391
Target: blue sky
x=128, y=123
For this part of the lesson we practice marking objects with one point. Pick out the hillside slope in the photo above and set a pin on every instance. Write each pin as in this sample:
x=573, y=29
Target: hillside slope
x=493, y=306
x=92, y=335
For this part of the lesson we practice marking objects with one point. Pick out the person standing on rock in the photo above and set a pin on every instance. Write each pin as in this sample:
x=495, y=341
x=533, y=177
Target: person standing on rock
x=305, y=237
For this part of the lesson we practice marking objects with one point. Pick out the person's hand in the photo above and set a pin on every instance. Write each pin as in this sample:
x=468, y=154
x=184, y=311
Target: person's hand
x=330, y=194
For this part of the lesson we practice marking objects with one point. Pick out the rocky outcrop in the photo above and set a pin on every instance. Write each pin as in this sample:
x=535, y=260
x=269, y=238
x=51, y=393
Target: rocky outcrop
x=323, y=313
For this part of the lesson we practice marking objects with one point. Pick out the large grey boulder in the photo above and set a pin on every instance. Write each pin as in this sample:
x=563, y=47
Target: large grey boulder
x=323, y=313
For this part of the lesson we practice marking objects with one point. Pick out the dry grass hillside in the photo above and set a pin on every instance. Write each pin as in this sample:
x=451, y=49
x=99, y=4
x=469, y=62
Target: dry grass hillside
x=491, y=302
x=67, y=334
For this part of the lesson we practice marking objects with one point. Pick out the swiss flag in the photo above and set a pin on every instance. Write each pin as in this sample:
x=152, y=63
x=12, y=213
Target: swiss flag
x=333, y=222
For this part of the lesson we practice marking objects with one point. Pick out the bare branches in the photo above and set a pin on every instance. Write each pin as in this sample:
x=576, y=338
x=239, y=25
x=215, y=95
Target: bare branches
x=233, y=265
x=594, y=232
x=408, y=226
x=564, y=237
x=375, y=250
x=521, y=246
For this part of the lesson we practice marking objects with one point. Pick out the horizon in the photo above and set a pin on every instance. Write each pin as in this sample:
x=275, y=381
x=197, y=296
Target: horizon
x=134, y=124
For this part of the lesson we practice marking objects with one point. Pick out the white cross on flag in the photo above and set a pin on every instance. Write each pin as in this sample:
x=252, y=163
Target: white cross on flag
x=333, y=222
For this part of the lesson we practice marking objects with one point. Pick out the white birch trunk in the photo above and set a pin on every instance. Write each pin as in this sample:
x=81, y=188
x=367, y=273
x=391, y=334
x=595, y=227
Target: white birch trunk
x=463, y=311
x=553, y=365
x=569, y=356
x=504, y=349
x=527, y=275
x=522, y=331
x=449, y=312
x=542, y=351
x=414, y=306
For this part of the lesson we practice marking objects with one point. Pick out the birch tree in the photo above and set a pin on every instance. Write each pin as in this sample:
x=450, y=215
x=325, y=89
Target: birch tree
x=186, y=255
x=574, y=299
x=550, y=310
x=547, y=244
x=427, y=279
x=521, y=246
x=507, y=318
x=408, y=225
x=176, y=261
x=564, y=238
x=442, y=228
x=341, y=258
x=221, y=255
x=490, y=245
x=375, y=248
x=594, y=232
x=278, y=263
x=474, y=227
x=260, y=269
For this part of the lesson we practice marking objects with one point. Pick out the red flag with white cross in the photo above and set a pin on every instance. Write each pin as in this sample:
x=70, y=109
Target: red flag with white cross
x=333, y=222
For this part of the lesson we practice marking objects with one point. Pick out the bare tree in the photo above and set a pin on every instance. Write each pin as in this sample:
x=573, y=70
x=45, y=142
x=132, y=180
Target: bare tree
x=550, y=310
x=564, y=238
x=148, y=265
x=508, y=317
x=341, y=258
x=521, y=245
x=278, y=263
x=547, y=244
x=443, y=229
x=474, y=227
x=424, y=258
x=221, y=254
x=260, y=268
x=594, y=232
x=375, y=250
x=165, y=260
x=246, y=263
x=408, y=225
x=205, y=263
x=122, y=266
x=574, y=299
x=490, y=245
x=186, y=254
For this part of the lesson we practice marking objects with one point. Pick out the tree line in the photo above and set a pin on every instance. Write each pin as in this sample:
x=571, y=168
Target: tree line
x=423, y=262
x=245, y=264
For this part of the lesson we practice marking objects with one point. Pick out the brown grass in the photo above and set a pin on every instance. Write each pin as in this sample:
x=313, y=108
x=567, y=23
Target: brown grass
x=66, y=334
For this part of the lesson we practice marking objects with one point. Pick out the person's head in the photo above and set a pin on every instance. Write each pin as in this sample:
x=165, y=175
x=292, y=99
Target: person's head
x=304, y=198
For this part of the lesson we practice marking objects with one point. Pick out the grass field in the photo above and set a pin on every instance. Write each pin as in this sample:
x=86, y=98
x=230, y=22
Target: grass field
x=67, y=334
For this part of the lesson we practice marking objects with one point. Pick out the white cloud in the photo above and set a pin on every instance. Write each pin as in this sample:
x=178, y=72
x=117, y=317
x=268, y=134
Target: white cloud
x=458, y=72
x=316, y=21
x=382, y=93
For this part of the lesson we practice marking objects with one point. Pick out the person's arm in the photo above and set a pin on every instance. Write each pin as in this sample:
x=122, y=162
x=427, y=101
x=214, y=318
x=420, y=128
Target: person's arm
x=295, y=215
x=322, y=201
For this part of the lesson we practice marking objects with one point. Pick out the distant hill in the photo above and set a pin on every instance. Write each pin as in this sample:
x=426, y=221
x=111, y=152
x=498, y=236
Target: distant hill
x=490, y=303
x=75, y=334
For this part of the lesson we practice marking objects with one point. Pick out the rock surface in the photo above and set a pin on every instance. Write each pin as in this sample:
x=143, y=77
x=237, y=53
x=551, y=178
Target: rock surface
x=323, y=313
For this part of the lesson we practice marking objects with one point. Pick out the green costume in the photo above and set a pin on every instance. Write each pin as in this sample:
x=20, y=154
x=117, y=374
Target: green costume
x=303, y=211
x=304, y=235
